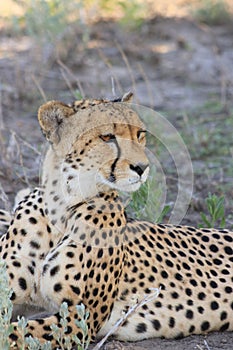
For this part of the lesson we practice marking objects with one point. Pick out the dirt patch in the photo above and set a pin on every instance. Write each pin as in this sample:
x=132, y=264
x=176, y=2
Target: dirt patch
x=176, y=66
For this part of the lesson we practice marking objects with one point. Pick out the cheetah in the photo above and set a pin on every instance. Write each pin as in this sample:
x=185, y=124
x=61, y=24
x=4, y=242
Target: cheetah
x=5, y=219
x=71, y=240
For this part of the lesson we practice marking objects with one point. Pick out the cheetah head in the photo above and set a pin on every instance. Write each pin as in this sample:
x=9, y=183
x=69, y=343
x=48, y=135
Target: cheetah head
x=95, y=145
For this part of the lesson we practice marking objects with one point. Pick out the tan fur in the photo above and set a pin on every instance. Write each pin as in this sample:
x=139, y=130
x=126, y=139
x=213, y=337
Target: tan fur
x=71, y=240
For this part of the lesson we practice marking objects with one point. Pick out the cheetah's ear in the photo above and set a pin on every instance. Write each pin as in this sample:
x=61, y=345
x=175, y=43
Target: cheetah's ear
x=127, y=97
x=51, y=116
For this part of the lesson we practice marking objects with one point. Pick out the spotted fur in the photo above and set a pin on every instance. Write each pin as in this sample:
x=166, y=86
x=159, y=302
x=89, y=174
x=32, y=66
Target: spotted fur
x=70, y=240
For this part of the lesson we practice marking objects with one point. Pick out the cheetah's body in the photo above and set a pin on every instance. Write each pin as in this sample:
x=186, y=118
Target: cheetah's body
x=74, y=243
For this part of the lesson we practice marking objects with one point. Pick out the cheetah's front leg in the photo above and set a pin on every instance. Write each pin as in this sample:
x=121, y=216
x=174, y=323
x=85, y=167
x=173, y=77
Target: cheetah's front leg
x=41, y=329
x=75, y=273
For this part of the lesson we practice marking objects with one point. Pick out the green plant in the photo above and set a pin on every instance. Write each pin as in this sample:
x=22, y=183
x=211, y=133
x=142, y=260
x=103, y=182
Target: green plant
x=65, y=341
x=131, y=13
x=134, y=12
x=5, y=308
x=82, y=324
x=48, y=20
x=147, y=202
x=215, y=207
x=212, y=12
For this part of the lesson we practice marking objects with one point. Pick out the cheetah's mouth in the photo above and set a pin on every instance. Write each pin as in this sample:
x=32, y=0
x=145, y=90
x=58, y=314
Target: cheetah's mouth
x=130, y=184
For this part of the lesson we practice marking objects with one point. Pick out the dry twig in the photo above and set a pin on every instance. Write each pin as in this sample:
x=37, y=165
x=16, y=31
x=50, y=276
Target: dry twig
x=39, y=87
x=66, y=70
x=148, y=85
x=147, y=299
x=108, y=64
x=125, y=59
x=5, y=199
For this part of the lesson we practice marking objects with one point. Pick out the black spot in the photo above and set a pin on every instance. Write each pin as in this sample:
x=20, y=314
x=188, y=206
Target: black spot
x=186, y=266
x=178, y=276
x=217, y=261
x=70, y=254
x=69, y=266
x=34, y=244
x=31, y=270
x=175, y=295
x=193, y=282
x=95, y=221
x=164, y=274
x=214, y=305
x=104, y=266
x=88, y=249
x=156, y=324
x=32, y=220
x=171, y=322
x=228, y=238
x=228, y=250
x=77, y=276
x=213, y=272
x=188, y=291
x=224, y=327
x=40, y=321
x=179, y=307
x=141, y=328
x=13, y=296
x=159, y=258
x=22, y=283
x=68, y=301
x=118, y=222
x=184, y=244
x=158, y=304
x=228, y=289
x=57, y=287
x=195, y=241
x=68, y=330
x=47, y=336
x=95, y=292
x=13, y=337
x=223, y=316
x=189, y=314
x=46, y=328
x=205, y=326
x=54, y=270
x=213, y=248
x=110, y=287
x=76, y=290
x=169, y=263
x=191, y=329
x=201, y=296
x=213, y=284
x=151, y=278
x=205, y=238
x=23, y=232
x=103, y=309
x=179, y=336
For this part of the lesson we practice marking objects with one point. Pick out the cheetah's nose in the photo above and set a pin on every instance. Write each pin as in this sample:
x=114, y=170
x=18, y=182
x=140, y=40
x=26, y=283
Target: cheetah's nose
x=139, y=168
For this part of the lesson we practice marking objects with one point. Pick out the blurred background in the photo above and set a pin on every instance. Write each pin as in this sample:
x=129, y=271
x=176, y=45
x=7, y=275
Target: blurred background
x=177, y=58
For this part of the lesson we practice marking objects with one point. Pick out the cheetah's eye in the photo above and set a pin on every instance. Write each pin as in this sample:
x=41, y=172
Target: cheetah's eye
x=141, y=134
x=107, y=137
